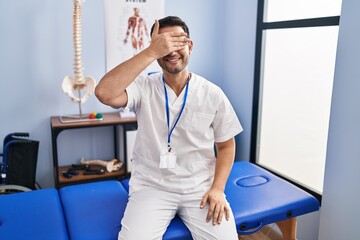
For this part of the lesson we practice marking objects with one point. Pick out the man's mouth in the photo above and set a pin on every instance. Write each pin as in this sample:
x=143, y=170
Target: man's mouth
x=172, y=60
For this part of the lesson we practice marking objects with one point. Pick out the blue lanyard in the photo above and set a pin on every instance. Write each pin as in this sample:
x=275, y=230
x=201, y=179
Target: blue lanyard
x=168, y=112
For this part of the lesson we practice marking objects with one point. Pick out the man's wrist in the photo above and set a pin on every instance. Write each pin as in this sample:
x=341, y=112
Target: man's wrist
x=149, y=54
x=218, y=187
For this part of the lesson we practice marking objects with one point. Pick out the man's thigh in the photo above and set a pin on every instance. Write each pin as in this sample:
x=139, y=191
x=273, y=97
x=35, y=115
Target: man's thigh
x=195, y=219
x=147, y=214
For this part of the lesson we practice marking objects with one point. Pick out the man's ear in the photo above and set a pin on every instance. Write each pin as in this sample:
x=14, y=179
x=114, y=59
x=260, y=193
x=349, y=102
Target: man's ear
x=190, y=44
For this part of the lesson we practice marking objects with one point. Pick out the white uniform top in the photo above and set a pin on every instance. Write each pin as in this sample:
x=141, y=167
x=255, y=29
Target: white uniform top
x=208, y=117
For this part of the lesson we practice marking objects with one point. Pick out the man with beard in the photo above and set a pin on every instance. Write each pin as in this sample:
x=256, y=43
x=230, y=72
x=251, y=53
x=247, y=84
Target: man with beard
x=180, y=117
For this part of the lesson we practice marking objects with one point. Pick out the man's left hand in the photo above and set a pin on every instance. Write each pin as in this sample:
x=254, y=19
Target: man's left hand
x=217, y=206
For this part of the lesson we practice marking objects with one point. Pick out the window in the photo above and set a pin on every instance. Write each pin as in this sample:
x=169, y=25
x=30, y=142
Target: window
x=282, y=10
x=294, y=70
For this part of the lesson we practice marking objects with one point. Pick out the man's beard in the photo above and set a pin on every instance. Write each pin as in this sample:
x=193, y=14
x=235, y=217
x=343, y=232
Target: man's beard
x=175, y=70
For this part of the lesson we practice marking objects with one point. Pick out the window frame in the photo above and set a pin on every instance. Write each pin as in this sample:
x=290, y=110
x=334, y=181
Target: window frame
x=260, y=27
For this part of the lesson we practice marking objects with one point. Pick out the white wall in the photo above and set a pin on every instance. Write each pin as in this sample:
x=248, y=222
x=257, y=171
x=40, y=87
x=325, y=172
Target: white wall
x=238, y=65
x=340, y=210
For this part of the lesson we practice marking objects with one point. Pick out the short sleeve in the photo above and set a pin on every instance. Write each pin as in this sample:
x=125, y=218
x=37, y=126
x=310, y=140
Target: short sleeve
x=226, y=123
x=134, y=92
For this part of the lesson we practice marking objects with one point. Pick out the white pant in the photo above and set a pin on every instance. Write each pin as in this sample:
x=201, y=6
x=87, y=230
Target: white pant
x=149, y=212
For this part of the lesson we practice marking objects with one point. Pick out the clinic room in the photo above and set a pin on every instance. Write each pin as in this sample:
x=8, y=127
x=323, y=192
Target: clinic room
x=179, y=120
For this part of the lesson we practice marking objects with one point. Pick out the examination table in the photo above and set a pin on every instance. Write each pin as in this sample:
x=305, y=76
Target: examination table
x=94, y=210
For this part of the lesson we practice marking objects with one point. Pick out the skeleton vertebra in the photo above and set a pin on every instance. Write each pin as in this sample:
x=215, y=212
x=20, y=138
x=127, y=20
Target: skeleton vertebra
x=78, y=82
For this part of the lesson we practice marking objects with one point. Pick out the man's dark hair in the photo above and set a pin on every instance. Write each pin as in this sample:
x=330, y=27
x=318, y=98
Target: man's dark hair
x=171, y=21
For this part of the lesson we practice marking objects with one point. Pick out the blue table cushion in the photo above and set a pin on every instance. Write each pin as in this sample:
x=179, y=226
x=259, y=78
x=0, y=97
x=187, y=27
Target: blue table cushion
x=258, y=197
x=94, y=210
x=32, y=215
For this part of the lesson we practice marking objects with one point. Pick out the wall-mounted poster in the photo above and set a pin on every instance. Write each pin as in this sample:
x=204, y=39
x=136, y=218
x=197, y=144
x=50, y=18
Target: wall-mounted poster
x=127, y=29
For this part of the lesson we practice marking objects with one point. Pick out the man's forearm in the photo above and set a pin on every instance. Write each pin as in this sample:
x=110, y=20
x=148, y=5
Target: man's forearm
x=224, y=162
x=114, y=83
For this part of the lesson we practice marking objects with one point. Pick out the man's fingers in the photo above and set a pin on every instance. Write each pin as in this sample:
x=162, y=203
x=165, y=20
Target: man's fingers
x=203, y=201
x=156, y=28
x=221, y=215
x=180, y=43
x=216, y=214
x=177, y=34
x=210, y=213
x=182, y=39
x=227, y=213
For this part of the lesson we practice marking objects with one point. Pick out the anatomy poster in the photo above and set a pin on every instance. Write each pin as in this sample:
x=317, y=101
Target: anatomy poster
x=127, y=28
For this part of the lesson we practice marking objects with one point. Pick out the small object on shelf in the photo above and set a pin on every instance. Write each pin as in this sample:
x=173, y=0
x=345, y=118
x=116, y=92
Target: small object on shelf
x=70, y=172
x=67, y=175
x=95, y=115
x=127, y=113
x=73, y=172
x=92, y=115
x=80, y=166
x=94, y=171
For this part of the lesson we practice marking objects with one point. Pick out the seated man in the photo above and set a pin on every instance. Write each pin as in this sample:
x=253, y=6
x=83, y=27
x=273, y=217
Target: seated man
x=180, y=117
